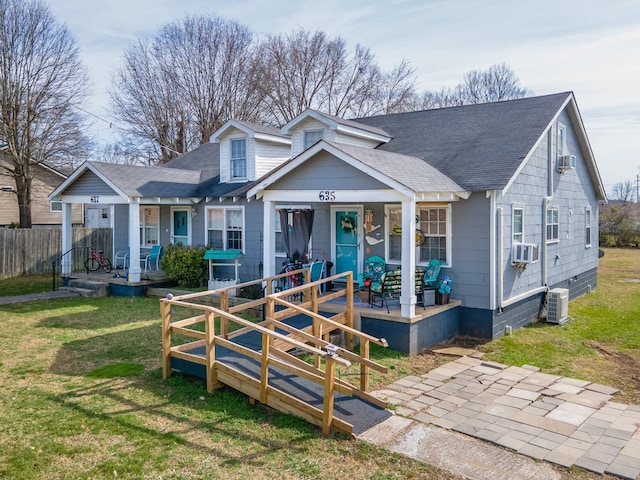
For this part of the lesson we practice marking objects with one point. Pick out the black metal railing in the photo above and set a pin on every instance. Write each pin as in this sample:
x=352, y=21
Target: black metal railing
x=56, y=265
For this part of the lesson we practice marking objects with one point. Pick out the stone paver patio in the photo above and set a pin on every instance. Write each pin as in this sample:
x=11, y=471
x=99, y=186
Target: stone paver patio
x=547, y=417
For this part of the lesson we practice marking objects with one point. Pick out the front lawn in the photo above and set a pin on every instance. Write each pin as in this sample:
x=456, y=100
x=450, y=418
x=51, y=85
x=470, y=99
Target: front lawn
x=83, y=397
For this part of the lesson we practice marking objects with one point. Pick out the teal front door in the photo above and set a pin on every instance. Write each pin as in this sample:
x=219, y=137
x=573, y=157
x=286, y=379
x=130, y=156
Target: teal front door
x=180, y=227
x=347, y=240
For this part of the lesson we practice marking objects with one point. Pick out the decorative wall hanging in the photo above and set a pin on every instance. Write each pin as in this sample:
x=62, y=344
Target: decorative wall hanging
x=348, y=224
x=368, y=222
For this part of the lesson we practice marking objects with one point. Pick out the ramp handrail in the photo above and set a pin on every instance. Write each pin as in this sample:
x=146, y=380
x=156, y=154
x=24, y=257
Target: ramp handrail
x=211, y=339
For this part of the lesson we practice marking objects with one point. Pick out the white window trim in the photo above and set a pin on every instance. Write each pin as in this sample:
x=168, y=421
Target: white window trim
x=311, y=130
x=449, y=236
x=588, y=227
x=546, y=224
x=561, y=140
x=226, y=208
x=388, y=231
x=233, y=179
x=419, y=261
x=513, y=222
x=143, y=225
x=55, y=210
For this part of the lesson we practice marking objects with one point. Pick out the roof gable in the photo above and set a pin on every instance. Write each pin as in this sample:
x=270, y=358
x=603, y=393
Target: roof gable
x=403, y=173
x=348, y=127
x=252, y=130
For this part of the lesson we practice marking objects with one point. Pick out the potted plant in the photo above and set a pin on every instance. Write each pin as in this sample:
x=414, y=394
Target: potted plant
x=444, y=290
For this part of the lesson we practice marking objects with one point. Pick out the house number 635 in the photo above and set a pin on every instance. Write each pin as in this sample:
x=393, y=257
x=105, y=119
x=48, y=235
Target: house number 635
x=327, y=195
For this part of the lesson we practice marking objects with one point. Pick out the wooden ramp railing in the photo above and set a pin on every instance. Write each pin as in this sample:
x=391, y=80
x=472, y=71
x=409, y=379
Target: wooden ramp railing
x=205, y=327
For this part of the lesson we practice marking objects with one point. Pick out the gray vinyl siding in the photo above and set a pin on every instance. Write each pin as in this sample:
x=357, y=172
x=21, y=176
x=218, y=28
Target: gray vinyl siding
x=89, y=184
x=326, y=172
x=471, y=245
x=572, y=192
x=120, y=227
x=528, y=192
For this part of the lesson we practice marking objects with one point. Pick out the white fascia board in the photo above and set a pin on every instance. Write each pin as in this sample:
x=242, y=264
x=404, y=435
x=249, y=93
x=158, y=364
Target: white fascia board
x=381, y=177
x=257, y=191
x=169, y=200
x=272, y=138
x=442, y=196
x=286, y=129
x=340, y=196
x=357, y=132
x=70, y=179
x=104, y=199
x=215, y=136
x=535, y=146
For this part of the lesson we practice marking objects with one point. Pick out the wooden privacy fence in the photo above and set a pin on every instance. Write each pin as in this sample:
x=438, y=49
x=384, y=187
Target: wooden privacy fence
x=31, y=251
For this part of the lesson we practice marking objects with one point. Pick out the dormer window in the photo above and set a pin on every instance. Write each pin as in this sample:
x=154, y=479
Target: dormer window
x=238, y=159
x=312, y=136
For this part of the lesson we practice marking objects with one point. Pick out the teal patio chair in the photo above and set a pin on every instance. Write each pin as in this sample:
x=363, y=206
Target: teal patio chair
x=430, y=281
x=317, y=271
x=152, y=257
x=374, y=268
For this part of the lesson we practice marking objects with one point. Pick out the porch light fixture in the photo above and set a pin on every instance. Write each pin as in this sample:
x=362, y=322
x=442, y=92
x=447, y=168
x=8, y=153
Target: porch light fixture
x=194, y=211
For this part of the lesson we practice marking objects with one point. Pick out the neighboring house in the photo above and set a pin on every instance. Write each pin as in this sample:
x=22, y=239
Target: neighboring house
x=43, y=211
x=505, y=194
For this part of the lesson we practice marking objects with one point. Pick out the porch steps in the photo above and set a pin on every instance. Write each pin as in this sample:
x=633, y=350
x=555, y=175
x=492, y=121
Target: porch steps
x=87, y=288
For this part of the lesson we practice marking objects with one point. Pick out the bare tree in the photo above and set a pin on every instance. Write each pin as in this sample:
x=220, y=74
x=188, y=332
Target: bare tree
x=495, y=84
x=623, y=191
x=41, y=82
x=304, y=70
x=175, y=90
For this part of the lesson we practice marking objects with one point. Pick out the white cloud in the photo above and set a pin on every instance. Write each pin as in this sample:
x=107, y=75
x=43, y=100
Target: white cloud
x=587, y=46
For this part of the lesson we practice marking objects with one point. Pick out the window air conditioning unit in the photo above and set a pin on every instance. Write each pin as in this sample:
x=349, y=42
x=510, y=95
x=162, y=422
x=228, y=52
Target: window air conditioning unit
x=558, y=305
x=566, y=162
x=524, y=253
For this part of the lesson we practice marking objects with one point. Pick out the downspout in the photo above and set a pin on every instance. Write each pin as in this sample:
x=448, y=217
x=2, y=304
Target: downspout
x=500, y=260
x=491, y=195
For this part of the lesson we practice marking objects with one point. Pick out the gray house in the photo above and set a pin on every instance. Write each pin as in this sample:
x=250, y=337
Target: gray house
x=505, y=195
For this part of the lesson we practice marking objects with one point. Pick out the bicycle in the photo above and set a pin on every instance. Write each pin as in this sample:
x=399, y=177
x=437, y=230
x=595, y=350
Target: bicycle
x=97, y=260
x=292, y=280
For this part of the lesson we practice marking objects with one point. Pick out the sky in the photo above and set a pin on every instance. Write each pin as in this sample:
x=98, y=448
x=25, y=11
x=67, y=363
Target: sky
x=590, y=47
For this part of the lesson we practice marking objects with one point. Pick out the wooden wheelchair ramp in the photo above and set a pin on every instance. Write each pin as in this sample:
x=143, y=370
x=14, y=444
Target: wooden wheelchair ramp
x=262, y=360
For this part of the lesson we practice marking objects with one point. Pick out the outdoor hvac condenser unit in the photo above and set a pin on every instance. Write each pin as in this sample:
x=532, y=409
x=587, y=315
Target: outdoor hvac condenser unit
x=558, y=306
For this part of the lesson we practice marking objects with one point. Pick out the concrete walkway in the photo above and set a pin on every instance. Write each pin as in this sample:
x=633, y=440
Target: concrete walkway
x=531, y=414
x=37, y=297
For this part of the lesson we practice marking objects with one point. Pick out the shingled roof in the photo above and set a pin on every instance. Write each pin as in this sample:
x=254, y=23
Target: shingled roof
x=135, y=181
x=480, y=147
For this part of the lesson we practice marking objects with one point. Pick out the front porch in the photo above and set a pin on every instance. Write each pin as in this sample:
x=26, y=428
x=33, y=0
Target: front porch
x=430, y=326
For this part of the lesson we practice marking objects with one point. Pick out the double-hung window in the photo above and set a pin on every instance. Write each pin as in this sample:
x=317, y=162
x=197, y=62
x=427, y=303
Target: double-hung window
x=239, y=159
x=433, y=222
x=553, y=224
x=225, y=227
x=561, y=139
x=517, y=227
x=149, y=225
x=312, y=136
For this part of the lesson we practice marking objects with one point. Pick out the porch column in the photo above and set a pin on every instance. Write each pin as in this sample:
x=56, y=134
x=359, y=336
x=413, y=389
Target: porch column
x=67, y=240
x=134, y=242
x=269, y=239
x=408, y=297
